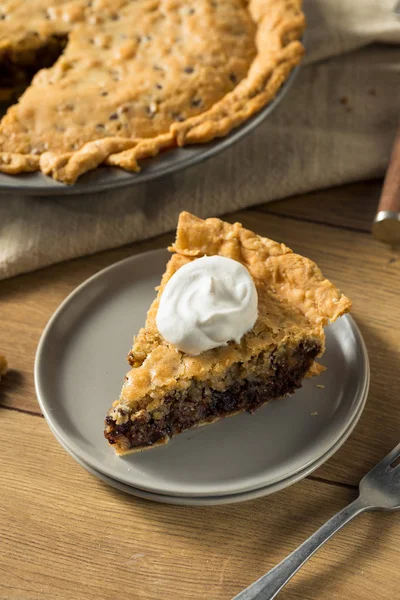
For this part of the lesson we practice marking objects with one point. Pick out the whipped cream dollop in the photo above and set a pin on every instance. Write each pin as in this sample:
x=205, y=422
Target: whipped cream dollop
x=207, y=303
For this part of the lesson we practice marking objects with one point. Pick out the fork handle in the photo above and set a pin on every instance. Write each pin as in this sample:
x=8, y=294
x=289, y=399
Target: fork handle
x=268, y=586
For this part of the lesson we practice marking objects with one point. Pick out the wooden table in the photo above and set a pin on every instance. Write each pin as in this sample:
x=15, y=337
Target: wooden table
x=67, y=536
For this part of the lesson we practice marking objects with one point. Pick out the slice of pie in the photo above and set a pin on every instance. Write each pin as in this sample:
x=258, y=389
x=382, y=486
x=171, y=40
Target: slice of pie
x=167, y=391
x=120, y=80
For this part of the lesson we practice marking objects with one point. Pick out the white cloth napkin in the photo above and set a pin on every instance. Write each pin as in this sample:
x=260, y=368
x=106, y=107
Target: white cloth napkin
x=335, y=125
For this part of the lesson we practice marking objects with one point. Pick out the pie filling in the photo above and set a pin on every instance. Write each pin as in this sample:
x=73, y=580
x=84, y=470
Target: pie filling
x=19, y=65
x=277, y=375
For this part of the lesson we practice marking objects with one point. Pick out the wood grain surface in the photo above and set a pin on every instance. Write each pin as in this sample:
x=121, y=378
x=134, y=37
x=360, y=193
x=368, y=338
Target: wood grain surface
x=349, y=206
x=67, y=536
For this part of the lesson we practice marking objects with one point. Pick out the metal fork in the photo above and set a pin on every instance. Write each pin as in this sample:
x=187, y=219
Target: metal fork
x=378, y=490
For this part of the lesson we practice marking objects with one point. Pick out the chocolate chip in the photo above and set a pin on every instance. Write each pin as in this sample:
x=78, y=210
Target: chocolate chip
x=100, y=126
x=159, y=86
x=104, y=93
x=113, y=116
x=66, y=107
x=196, y=102
x=177, y=116
x=189, y=70
x=191, y=11
x=233, y=77
x=114, y=17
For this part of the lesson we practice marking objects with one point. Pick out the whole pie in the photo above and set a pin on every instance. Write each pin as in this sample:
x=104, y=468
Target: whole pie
x=168, y=391
x=121, y=80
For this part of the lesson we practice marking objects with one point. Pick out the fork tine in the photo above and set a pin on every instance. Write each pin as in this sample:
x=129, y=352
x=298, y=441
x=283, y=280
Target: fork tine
x=389, y=458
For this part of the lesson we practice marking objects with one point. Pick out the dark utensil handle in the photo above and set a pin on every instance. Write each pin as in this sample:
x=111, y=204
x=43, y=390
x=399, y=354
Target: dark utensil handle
x=386, y=227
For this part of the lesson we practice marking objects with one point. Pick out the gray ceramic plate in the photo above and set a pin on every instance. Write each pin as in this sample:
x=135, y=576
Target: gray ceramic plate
x=105, y=178
x=214, y=500
x=80, y=365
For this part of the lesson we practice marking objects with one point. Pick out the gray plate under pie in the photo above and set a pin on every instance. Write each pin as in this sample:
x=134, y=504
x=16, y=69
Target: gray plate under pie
x=214, y=500
x=104, y=178
x=80, y=366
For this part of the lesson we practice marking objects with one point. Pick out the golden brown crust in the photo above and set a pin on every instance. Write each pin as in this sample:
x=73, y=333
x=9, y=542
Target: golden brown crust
x=239, y=57
x=289, y=276
x=294, y=302
x=315, y=369
x=17, y=163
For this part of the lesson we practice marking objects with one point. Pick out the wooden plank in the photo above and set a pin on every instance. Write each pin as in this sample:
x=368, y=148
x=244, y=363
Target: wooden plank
x=352, y=206
x=365, y=269
x=65, y=535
